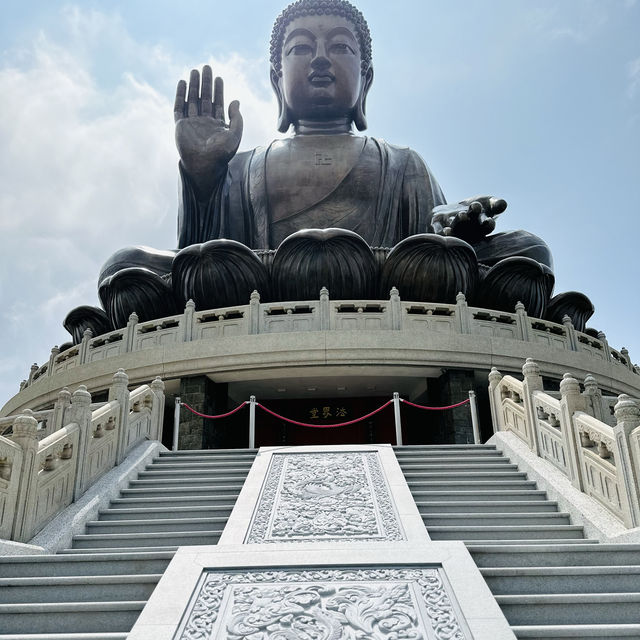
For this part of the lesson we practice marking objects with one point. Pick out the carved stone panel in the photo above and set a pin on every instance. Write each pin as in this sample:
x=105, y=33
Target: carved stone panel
x=332, y=496
x=324, y=604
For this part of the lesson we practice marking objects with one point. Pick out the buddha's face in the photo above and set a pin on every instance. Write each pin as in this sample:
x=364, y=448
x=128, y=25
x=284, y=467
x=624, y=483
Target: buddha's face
x=321, y=72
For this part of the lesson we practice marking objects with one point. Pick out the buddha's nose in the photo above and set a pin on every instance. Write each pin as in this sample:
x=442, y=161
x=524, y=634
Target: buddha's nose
x=320, y=60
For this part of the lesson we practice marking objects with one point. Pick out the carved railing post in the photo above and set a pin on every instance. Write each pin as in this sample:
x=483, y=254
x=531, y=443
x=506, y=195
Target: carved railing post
x=10, y=469
x=531, y=382
x=157, y=409
x=254, y=313
x=59, y=409
x=83, y=352
x=593, y=399
x=624, y=352
x=55, y=351
x=186, y=321
x=572, y=337
x=32, y=371
x=24, y=435
x=605, y=345
x=80, y=413
x=119, y=391
x=463, y=317
x=571, y=400
x=396, y=309
x=130, y=332
x=522, y=322
x=627, y=415
x=494, y=400
x=325, y=311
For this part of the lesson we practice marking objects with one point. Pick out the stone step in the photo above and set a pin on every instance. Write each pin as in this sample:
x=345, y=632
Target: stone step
x=535, y=542
x=541, y=580
x=558, y=555
x=216, y=482
x=214, y=465
x=194, y=475
x=77, y=588
x=133, y=540
x=489, y=519
x=182, y=491
x=498, y=465
x=66, y=617
x=478, y=485
x=151, y=526
x=470, y=477
x=63, y=636
x=85, y=565
x=505, y=532
x=429, y=448
x=467, y=495
x=208, y=454
x=580, y=608
x=170, y=502
x=490, y=506
x=161, y=513
x=124, y=550
x=591, y=631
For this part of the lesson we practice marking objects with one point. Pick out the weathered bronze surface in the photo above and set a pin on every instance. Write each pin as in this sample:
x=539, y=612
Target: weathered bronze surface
x=321, y=197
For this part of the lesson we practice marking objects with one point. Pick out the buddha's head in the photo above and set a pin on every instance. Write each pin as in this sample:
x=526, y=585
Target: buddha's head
x=321, y=63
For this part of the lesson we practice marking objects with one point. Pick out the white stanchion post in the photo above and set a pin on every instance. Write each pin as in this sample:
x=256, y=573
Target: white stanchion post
x=396, y=415
x=474, y=417
x=252, y=422
x=176, y=424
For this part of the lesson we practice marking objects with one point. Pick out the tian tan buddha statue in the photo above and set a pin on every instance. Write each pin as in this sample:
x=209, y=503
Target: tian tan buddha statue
x=323, y=207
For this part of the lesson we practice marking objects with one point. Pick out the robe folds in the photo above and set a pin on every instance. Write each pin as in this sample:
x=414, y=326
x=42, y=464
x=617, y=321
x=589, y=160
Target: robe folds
x=386, y=196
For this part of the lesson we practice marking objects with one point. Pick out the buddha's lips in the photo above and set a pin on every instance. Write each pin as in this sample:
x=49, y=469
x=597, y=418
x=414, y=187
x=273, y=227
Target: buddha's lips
x=321, y=77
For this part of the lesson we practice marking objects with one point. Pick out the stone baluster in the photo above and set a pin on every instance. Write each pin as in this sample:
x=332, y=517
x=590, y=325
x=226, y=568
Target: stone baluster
x=572, y=337
x=254, y=313
x=157, y=409
x=55, y=351
x=531, y=382
x=130, y=332
x=624, y=352
x=571, y=400
x=494, y=400
x=605, y=345
x=83, y=352
x=627, y=415
x=325, y=310
x=593, y=399
x=522, y=322
x=396, y=309
x=32, y=371
x=463, y=317
x=25, y=429
x=119, y=391
x=80, y=413
x=186, y=321
x=60, y=407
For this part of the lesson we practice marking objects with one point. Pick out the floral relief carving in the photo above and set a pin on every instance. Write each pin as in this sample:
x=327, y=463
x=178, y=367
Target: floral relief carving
x=323, y=604
x=325, y=496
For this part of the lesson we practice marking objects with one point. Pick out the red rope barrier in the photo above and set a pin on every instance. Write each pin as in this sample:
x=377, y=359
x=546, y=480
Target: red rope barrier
x=420, y=406
x=324, y=426
x=221, y=415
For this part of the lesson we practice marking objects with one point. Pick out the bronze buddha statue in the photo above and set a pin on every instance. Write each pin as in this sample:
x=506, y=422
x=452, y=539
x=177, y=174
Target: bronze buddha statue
x=323, y=207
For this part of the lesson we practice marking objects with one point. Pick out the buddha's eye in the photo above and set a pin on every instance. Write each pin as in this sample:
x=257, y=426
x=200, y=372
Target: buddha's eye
x=300, y=50
x=341, y=48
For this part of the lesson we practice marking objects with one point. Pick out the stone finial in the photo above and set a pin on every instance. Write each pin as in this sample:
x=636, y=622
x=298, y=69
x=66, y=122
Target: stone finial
x=567, y=321
x=530, y=368
x=569, y=385
x=460, y=298
x=602, y=335
x=520, y=307
x=626, y=410
x=394, y=293
x=55, y=350
x=157, y=385
x=190, y=305
x=324, y=293
x=87, y=334
x=254, y=297
x=64, y=395
x=81, y=396
x=25, y=425
x=494, y=375
x=625, y=352
x=34, y=367
x=133, y=318
x=23, y=384
x=590, y=385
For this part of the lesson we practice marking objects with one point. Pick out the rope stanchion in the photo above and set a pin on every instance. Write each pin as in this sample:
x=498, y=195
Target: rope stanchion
x=220, y=415
x=421, y=406
x=324, y=426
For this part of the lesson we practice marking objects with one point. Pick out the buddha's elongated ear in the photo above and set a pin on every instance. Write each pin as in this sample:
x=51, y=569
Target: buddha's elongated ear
x=284, y=121
x=359, y=111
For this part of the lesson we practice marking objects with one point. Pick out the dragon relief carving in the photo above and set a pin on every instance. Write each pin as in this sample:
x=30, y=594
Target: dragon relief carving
x=324, y=604
x=325, y=496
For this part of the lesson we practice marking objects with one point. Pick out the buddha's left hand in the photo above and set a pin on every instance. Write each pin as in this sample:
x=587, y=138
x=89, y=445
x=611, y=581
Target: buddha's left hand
x=471, y=219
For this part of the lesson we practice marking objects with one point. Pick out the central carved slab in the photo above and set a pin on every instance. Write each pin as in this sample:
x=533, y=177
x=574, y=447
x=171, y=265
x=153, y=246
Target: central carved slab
x=325, y=497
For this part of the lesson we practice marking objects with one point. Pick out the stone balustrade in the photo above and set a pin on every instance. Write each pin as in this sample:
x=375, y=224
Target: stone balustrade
x=600, y=459
x=40, y=477
x=327, y=315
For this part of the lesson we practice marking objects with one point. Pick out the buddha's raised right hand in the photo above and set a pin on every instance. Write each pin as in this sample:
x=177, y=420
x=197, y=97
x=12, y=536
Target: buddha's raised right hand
x=205, y=142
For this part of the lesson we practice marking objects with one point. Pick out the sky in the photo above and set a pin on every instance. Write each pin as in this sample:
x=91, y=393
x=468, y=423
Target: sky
x=534, y=101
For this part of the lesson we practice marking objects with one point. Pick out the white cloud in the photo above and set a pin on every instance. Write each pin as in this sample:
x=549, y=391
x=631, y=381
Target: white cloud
x=88, y=166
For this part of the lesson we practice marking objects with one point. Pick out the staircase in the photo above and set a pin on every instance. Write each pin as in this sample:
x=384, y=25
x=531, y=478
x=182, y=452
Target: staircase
x=96, y=589
x=548, y=579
